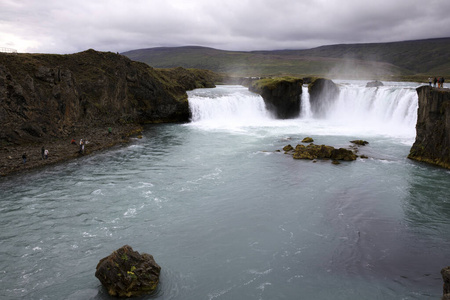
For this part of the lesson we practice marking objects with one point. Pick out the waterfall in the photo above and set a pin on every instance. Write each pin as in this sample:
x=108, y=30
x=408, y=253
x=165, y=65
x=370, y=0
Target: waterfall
x=305, y=109
x=227, y=106
x=387, y=108
x=390, y=110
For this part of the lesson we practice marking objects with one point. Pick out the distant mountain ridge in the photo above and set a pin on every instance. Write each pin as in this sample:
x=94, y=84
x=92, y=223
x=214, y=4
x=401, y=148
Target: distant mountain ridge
x=430, y=57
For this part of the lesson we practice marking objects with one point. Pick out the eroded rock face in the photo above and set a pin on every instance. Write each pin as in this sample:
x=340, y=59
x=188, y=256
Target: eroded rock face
x=126, y=273
x=432, y=144
x=46, y=96
x=281, y=95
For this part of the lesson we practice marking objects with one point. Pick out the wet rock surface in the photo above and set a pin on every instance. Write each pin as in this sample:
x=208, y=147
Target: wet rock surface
x=281, y=95
x=126, y=273
x=313, y=152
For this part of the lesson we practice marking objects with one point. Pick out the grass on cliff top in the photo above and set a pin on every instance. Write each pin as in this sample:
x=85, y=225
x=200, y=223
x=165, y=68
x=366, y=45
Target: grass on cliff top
x=272, y=83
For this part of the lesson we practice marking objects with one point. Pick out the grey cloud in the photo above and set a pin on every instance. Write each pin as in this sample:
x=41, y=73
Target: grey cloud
x=118, y=25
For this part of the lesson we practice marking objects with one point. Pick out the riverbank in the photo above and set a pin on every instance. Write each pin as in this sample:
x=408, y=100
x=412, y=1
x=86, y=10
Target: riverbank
x=61, y=149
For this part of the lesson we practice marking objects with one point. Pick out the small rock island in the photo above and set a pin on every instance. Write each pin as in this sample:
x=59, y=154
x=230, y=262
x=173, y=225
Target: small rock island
x=126, y=273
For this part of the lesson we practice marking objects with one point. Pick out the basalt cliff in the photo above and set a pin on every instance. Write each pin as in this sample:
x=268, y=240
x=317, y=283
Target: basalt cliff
x=45, y=96
x=432, y=143
x=281, y=95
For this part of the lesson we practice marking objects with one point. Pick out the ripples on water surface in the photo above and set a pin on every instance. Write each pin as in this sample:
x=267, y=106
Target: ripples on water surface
x=227, y=217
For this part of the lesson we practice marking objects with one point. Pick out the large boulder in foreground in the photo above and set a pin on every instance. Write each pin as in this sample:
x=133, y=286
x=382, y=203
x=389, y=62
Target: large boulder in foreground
x=126, y=273
x=281, y=95
x=432, y=143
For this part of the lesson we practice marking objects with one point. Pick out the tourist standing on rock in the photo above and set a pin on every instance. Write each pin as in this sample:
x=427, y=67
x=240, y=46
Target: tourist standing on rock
x=434, y=81
x=42, y=152
x=442, y=82
x=46, y=154
x=430, y=80
x=24, y=157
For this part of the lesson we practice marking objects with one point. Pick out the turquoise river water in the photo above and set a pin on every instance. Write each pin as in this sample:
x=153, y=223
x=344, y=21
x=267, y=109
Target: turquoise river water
x=226, y=216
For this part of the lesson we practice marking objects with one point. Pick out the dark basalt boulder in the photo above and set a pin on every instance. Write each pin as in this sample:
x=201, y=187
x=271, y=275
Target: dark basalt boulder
x=322, y=152
x=375, y=83
x=432, y=144
x=126, y=273
x=445, y=272
x=281, y=95
x=322, y=93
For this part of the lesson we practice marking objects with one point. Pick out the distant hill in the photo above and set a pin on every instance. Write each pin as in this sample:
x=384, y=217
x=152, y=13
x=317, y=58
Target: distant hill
x=421, y=58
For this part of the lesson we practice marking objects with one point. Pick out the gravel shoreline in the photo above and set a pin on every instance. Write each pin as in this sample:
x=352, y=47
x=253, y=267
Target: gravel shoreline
x=61, y=149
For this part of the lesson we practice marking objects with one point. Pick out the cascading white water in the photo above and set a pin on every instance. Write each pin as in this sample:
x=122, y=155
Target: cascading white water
x=388, y=110
x=382, y=109
x=305, y=109
x=227, y=106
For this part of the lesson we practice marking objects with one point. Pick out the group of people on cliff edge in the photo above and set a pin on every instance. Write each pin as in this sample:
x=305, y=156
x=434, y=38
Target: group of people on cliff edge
x=439, y=81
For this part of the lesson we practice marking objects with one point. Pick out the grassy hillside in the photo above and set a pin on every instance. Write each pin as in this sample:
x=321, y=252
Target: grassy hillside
x=419, y=59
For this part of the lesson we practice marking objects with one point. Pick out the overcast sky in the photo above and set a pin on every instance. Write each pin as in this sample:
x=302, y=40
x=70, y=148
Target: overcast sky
x=66, y=26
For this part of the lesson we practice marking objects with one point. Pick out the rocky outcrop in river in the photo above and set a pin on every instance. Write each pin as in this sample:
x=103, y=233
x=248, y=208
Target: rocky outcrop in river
x=313, y=152
x=432, y=143
x=281, y=95
x=126, y=273
x=445, y=272
x=45, y=96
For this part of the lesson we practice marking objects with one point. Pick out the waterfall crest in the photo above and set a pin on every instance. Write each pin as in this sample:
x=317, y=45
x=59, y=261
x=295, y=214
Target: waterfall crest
x=387, y=109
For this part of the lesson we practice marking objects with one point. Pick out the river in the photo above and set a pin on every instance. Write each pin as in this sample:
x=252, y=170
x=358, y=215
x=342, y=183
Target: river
x=227, y=216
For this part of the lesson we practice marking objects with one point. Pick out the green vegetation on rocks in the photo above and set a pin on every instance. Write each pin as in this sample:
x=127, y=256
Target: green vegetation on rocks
x=359, y=142
x=313, y=152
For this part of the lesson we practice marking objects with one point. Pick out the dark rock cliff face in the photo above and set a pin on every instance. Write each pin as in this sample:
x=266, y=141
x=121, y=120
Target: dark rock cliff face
x=43, y=95
x=281, y=95
x=322, y=92
x=432, y=143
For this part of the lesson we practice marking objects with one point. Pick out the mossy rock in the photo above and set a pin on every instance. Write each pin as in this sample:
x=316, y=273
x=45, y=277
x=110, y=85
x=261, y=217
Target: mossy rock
x=359, y=142
x=126, y=273
x=308, y=140
x=288, y=148
x=313, y=151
